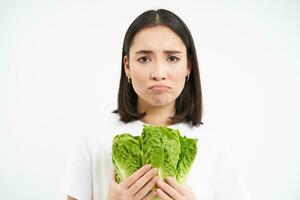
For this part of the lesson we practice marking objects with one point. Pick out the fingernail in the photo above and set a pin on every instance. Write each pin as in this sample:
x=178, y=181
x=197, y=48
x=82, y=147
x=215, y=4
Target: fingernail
x=169, y=178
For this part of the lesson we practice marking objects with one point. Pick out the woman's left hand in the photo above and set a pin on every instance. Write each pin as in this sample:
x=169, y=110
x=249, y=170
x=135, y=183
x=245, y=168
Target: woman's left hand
x=171, y=189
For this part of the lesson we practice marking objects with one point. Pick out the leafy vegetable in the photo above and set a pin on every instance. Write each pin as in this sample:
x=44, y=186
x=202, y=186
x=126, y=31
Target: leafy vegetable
x=127, y=155
x=186, y=157
x=162, y=147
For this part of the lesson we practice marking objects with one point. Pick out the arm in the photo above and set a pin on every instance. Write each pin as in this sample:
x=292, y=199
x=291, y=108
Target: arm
x=229, y=182
x=77, y=180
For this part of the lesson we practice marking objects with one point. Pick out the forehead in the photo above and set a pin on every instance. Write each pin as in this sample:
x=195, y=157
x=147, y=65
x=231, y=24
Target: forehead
x=157, y=38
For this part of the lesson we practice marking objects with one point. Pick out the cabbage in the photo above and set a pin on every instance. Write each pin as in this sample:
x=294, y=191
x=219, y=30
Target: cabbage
x=162, y=147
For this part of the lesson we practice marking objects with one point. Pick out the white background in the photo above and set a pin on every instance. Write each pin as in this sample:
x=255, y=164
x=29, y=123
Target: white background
x=60, y=65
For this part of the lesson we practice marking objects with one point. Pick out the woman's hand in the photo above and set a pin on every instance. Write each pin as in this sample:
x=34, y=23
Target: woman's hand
x=135, y=187
x=171, y=189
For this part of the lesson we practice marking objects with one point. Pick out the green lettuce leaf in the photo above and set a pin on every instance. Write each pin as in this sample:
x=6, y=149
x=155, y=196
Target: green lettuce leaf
x=126, y=155
x=188, y=153
x=162, y=147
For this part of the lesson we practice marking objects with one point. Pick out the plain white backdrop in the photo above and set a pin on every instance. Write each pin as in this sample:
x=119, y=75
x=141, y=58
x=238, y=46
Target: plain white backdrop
x=60, y=65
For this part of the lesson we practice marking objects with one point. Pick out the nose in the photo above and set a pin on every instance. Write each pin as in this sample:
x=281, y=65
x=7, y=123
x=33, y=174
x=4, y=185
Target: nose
x=159, y=72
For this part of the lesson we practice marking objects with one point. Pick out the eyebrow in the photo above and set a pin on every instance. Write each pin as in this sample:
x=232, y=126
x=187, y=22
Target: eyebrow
x=151, y=52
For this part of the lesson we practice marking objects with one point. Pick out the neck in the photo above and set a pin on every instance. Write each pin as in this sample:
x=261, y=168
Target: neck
x=156, y=115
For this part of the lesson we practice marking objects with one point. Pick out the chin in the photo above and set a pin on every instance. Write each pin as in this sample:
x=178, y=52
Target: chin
x=157, y=101
x=160, y=102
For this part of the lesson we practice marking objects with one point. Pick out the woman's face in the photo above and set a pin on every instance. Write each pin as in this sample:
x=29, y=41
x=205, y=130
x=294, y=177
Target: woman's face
x=157, y=65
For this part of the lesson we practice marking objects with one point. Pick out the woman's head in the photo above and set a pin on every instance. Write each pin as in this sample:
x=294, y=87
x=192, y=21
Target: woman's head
x=158, y=49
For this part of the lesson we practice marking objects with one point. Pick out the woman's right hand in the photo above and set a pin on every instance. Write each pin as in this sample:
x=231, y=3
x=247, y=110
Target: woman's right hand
x=135, y=187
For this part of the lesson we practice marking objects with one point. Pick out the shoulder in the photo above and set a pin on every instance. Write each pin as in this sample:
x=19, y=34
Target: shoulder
x=208, y=139
x=102, y=126
x=102, y=130
x=201, y=132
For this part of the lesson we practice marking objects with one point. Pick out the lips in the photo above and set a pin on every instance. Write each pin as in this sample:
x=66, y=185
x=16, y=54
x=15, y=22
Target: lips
x=158, y=86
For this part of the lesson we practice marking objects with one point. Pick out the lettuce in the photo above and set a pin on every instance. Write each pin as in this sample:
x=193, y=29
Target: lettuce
x=162, y=147
x=126, y=156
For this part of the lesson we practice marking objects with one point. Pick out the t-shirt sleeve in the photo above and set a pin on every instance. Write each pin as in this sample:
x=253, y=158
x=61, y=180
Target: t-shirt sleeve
x=229, y=183
x=77, y=181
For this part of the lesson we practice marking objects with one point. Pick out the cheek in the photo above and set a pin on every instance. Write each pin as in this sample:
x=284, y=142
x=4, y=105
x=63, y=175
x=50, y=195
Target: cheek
x=178, y=78
x=140, y=77
x=139, y=80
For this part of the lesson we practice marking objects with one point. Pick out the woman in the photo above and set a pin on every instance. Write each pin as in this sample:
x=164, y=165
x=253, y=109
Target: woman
x=159, y=85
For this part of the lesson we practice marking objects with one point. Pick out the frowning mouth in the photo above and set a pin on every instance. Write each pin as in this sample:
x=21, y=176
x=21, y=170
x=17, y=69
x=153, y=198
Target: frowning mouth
x=159, y=88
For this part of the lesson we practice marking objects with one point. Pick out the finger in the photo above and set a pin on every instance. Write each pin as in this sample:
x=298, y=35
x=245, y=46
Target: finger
x=142, y=181
x=150, y=196
x=177, y=186
x=162, y=195
x=168, y=189
x=135, y=176
x=145, y=190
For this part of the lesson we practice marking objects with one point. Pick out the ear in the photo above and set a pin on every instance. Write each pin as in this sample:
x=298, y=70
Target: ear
x=126, y=65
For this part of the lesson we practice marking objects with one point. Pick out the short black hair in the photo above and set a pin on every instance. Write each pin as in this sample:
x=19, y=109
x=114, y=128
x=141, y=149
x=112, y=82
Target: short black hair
x=189, y=105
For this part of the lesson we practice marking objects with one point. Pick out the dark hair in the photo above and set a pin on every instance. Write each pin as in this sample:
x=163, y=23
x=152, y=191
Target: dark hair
x=189, y=103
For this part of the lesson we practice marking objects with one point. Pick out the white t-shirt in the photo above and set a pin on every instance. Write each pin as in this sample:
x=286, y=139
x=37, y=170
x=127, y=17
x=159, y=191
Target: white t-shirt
x=213, y=175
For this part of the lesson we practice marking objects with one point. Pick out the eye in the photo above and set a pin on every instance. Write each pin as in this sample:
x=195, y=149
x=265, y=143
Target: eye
x=173, y=58
x=143, y=59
